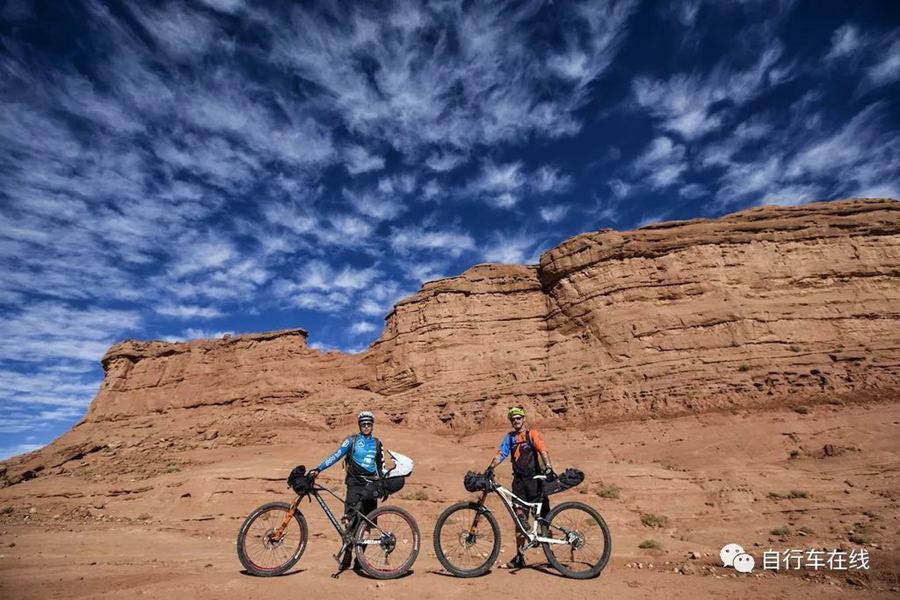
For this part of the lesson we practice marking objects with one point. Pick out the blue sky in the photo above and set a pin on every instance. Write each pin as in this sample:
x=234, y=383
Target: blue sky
x=176, y=170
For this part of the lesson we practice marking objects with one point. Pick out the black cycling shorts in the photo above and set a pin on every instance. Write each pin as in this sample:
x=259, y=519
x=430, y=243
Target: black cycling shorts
x=529, y=490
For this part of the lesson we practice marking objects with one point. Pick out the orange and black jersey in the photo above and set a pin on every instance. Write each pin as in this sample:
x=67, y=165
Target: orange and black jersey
x=524, y=448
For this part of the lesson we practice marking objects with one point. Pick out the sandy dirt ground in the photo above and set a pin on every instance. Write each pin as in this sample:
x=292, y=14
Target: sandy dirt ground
x=146, y=518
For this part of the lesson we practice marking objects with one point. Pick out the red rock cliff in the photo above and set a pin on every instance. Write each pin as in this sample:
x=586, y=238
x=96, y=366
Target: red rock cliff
x=769, y=304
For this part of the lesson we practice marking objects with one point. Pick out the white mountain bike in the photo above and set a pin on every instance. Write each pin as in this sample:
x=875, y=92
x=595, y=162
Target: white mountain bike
x=575, y=538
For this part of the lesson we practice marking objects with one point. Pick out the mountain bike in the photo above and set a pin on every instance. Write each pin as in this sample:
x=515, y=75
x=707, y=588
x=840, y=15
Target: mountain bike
x=273, y=538
x=574, y=536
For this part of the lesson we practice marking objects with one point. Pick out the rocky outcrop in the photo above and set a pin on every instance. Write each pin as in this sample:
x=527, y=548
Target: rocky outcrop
x=772, y=304
x=273, y=367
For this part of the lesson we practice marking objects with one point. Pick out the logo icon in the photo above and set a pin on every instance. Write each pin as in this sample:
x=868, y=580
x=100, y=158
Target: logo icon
x=744, y=563
x=733, y=555
x=728, y=554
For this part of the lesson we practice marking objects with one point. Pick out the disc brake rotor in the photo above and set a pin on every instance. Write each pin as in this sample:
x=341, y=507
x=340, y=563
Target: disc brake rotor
x=269, y=543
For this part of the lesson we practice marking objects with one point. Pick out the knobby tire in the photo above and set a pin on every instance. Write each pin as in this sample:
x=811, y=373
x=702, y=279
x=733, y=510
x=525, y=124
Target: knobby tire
x=452, y=531
x=256, y=552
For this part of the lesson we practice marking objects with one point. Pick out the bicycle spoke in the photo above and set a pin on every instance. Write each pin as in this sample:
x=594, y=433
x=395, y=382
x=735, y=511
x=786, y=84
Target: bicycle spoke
x=462, y=549
x=261, y=551
x=586, y=544
x=396, y=542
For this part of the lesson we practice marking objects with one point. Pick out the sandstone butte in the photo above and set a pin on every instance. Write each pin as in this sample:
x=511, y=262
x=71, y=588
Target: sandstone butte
x=768, y=306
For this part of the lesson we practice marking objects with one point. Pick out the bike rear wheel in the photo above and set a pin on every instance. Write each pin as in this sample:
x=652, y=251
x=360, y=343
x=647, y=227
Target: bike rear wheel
x=389, y=550
x=464, y=549
x=589, y=543
x=256, y=550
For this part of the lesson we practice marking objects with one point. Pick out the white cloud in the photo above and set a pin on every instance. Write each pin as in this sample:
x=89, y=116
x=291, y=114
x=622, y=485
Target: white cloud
x=54, y=330
x=379, y=206
x=504, y=184
x=650, y=219
x=887, y=70
x=662, y=163
x=10, y=451
x=492, y=83
x=685, y=103
x=359, y=160
x=197, y=334
x=188, y=311
x=182, y=33
x=319, y=275
x=412, y=238
x=790, y=195
x=511, y=248
x=444, y=161
x=431, y=190
x=619, y=187
x=845, y=41
x=426, y=271
x=361, y=327
x=225, y=6
x=202, y=255
x=500, y=178
x=552, y=214
x=859, y=157
x=548, y=180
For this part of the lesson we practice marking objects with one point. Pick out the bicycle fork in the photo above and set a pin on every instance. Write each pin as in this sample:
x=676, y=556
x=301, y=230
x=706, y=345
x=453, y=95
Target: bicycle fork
x=287, y=519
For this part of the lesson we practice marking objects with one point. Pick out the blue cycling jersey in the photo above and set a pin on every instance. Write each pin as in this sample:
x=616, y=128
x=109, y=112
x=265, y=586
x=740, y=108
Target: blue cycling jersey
x=363, y=453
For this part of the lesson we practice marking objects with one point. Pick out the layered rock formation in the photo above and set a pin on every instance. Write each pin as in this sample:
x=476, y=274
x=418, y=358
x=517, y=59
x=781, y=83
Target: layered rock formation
x=771, y=304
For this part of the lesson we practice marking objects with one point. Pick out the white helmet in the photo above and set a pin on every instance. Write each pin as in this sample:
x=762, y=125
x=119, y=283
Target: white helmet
x=365, y=416
x=403, y=465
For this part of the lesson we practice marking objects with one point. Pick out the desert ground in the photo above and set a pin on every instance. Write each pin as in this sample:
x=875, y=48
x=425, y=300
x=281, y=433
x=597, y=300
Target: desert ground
x=155, y=512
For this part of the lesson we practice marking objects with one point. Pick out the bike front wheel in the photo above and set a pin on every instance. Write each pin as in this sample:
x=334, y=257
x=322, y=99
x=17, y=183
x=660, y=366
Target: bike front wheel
x=256, y=549
x=388, y=549
x=467, y=539
x=588, y=543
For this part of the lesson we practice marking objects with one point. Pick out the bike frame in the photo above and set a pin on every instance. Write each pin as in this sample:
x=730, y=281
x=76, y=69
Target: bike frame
x=510, y=500
x=345, y=535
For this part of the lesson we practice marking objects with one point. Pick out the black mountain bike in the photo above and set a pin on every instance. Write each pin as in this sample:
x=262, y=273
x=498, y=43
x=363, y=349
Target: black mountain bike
x=574, y=536
x=274, y=536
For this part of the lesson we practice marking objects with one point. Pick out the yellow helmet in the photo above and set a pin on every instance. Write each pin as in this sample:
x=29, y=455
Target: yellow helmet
x=515, y=411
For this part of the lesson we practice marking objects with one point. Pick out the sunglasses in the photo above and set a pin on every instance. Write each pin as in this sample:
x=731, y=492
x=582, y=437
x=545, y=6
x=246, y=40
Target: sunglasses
x=367, y=424
x=517, y=419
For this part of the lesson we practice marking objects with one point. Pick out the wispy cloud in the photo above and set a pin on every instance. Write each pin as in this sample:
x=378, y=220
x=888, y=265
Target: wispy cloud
x=318, y=285
x=662, y=163
x=188, y=311
x=10, y=451
x=689, y=104
x=359, y=160
x=453, y=242
x=361, y=327
x=444, y=74
x=887, y=69
x=552, y=214
x=512, y=248
x=846, y=40
x=197, y=334
x=859, y=158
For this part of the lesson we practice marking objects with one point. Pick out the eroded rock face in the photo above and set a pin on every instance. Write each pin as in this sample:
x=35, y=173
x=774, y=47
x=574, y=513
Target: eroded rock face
x=274, y=367
x=770, y=304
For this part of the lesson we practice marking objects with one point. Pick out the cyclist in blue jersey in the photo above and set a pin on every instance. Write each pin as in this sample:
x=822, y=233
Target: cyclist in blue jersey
x=364, y=459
